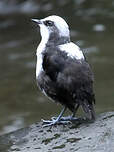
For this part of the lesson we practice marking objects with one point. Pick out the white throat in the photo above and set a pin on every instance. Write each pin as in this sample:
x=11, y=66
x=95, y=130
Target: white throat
x=45, y=36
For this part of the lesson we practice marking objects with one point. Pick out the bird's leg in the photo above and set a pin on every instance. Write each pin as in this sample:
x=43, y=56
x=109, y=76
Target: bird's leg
x=72, y=117
x=76, y=108
x=63, y=120
x=69, y=118
x=54, y=121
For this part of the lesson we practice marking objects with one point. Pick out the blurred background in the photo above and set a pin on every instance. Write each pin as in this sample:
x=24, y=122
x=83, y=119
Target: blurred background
x=92, y=29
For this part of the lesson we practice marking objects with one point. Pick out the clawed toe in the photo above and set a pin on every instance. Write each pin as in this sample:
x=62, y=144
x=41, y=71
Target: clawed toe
x=50, y=123
x=46, y=121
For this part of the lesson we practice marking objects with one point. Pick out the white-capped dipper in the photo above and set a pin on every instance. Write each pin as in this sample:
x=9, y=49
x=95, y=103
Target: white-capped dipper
x=62, y=72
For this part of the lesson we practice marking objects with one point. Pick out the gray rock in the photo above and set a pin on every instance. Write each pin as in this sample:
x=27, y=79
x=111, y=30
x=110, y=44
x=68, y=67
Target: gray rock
x=89, y=137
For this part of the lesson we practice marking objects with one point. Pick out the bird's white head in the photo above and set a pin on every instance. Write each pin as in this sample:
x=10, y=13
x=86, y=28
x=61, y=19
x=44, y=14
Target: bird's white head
x=53, y=26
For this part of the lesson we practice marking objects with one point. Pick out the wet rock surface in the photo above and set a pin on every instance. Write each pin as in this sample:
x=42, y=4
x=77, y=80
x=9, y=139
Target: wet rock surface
x=92, y=137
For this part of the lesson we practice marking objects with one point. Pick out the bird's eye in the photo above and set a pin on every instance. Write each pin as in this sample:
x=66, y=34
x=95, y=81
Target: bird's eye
x=48, y=23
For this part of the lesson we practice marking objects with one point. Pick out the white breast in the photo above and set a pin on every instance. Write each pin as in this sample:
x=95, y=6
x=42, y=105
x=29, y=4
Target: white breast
x=72, y=50
x=41, y=48
x=39, y=52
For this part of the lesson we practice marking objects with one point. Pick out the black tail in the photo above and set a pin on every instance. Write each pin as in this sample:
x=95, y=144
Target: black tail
x=89, y=110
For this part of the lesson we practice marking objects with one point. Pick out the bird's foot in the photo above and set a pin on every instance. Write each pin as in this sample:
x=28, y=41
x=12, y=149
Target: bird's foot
x=54, y=121
x=62, y=120
x=68, y=118
x=71, y=119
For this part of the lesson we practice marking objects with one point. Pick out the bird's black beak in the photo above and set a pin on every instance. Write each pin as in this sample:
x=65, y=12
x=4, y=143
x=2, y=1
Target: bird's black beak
x=37, y=21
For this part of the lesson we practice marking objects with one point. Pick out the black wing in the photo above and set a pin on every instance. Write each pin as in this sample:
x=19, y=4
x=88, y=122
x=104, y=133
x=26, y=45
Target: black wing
x=54, y=63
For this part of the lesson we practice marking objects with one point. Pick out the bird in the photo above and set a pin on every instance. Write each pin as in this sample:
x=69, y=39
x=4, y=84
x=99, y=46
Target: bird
x=62, y=71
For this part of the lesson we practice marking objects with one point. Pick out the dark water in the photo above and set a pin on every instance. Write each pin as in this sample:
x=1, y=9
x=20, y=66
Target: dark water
x=92, y=28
